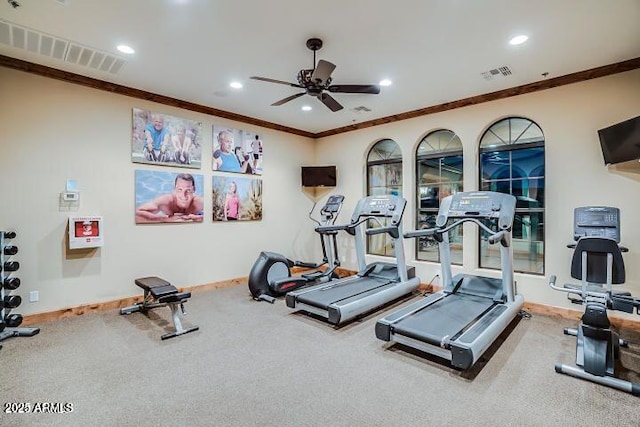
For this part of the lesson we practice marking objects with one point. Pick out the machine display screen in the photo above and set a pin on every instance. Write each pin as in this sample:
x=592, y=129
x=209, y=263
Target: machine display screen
x=476, y=204
x=598, y=221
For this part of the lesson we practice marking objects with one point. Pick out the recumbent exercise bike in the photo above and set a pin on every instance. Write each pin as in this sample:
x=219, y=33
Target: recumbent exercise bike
x=597, y=262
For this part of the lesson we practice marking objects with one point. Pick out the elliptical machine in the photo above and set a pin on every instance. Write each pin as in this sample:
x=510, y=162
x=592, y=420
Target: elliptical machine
x=270, y=275
x=597, y=262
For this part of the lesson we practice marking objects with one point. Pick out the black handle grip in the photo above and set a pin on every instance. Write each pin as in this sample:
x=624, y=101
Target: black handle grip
x=495, y=238
x=330, y=228
x=392, y=230
x=421, y=233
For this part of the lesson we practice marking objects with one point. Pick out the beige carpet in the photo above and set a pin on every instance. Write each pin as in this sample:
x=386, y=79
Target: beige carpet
x=260, y=364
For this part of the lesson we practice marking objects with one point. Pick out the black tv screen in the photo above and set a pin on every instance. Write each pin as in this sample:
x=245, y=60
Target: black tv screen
x=621, y=142
x=319, y=176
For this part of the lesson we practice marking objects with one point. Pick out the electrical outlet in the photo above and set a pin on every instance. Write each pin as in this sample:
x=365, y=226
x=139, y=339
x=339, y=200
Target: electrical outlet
x=34, y=296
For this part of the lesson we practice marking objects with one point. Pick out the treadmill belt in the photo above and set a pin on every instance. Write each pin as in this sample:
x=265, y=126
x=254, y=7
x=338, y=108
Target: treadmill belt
x=444, y=318
x=329, y=294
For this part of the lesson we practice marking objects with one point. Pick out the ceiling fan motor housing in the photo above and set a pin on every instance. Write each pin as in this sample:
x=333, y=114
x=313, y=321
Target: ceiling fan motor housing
x=305, y=79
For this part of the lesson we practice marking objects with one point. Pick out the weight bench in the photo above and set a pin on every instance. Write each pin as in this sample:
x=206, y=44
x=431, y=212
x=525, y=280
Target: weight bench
x=160, y=293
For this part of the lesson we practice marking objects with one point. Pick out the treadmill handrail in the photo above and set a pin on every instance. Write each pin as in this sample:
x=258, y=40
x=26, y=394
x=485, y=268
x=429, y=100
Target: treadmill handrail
x=392, y=230
x=425, y=232
x=330, y=228
x=497, y=235
x=349, y=228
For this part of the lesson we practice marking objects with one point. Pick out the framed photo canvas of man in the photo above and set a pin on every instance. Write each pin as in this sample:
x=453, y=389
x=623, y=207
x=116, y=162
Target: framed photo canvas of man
x=236, y=151
x=165, y=197
x=165, y=140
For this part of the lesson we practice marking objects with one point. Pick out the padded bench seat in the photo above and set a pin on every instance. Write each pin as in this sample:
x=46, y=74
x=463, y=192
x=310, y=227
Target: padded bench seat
x=160, y=293
x=157, y=286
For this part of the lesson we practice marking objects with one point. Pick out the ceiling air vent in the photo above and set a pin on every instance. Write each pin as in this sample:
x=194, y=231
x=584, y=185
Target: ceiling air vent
x=55, y=47
x=361, y=109
x=497, y=72
x=92, y=58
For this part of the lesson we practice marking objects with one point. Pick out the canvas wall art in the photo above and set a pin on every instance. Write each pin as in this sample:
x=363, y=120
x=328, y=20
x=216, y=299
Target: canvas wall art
x=236, y=151
x=166, y=140
x=166, y=197
x=237, y=198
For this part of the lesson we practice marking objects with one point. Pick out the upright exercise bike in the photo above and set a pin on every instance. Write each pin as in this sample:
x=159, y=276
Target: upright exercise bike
x=597, y=262
x=270, y=275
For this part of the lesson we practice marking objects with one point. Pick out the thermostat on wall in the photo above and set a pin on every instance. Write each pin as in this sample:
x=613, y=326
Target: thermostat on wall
x=70, y=196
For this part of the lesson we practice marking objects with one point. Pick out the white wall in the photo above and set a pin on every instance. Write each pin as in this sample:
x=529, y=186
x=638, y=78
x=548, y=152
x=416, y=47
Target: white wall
x=53, y=131
x=575, y=176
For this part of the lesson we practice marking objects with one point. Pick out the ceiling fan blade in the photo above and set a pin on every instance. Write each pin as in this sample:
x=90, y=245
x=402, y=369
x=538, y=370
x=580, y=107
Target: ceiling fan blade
x=264, y=79
x=373, y=89
x=322, y=72
x=327, y=100
x=287, y=99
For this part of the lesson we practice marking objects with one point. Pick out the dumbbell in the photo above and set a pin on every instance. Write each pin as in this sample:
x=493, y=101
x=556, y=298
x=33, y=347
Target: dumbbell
x=11, y=301
x=9, y=234
x=11, y=283
x=13, y=320
x=11, y=265
x=10, y=250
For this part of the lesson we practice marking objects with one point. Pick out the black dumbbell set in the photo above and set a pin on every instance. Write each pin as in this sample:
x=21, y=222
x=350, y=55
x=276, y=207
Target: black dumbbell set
x=9, y=321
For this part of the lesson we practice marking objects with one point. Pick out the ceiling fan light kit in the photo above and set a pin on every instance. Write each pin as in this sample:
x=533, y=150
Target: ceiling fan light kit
x=318, y=80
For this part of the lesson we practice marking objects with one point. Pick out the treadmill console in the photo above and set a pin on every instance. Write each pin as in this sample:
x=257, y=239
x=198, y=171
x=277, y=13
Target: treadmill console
x=478, y=204
x=596, y=221
x=386, y=205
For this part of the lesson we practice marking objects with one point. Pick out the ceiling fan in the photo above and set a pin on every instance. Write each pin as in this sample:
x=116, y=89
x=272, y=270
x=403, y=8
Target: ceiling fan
x=318, y=80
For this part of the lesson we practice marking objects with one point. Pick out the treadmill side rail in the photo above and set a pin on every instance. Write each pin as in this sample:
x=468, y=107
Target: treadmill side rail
x=468, y=348
x=345, y=312
x=385, y=325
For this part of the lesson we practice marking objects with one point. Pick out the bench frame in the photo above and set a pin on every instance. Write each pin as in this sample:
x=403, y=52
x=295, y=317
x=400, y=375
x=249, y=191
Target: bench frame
x=160, y=293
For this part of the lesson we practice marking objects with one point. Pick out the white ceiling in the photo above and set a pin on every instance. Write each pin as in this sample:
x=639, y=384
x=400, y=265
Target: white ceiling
x=435, y=51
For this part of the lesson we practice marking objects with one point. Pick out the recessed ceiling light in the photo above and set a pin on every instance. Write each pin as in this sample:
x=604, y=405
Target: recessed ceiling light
x=518, y=40
x=306, y=108
x=236, y=85
x=126, y=49
x=385, y=82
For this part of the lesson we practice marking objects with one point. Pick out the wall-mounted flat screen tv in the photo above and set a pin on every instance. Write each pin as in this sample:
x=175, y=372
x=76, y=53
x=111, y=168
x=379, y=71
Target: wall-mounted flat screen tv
x=621, y=142
x=319, y=176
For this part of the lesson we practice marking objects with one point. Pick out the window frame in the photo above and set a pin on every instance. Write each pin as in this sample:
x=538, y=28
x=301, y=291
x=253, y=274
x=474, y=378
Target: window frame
x=512, y=146
x=381, y=162
x=438, y=155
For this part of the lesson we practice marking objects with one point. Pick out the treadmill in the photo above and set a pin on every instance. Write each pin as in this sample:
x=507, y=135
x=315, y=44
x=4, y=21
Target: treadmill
x=461, y=321
x=375, y=284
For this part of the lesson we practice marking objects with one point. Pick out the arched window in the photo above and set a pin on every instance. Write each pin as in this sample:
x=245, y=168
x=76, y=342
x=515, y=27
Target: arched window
x=512, y=161
x=439, y=174
x=384, y=176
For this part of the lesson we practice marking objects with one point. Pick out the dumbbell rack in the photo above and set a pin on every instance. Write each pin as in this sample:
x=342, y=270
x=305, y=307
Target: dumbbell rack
x=9, y=322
